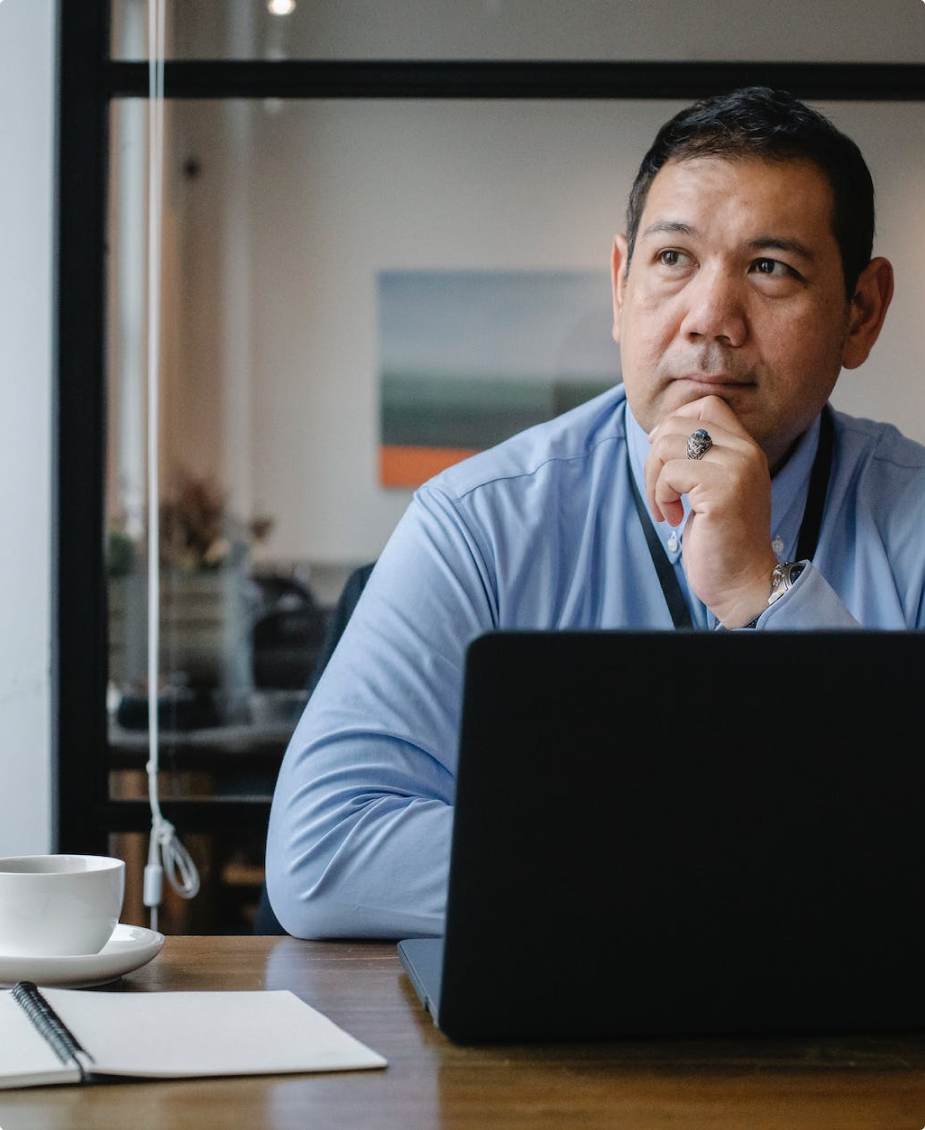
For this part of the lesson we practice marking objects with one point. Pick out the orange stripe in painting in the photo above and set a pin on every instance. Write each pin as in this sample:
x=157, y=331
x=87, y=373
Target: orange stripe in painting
x=406, y=466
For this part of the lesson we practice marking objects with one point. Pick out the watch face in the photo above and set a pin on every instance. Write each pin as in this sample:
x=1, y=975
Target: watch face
x=783, y=578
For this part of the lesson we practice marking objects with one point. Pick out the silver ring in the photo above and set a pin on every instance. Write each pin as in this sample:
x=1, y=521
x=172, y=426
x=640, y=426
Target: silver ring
x=698, y=444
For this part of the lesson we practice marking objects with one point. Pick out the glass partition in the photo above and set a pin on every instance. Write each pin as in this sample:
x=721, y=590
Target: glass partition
x=333, y=273
x=354, y=294
x=525, y=29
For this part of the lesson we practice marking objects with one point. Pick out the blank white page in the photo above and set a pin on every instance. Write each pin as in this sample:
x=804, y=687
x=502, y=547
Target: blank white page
x=206, y=1033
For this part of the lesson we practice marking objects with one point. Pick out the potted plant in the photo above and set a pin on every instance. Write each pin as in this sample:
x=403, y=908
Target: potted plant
x=205, y=667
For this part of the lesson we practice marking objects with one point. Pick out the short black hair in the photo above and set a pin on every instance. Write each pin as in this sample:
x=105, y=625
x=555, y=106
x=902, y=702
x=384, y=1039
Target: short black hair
x=756, y=121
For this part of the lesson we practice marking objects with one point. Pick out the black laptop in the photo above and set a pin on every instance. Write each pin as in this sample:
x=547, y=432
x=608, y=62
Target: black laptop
x=684, y=833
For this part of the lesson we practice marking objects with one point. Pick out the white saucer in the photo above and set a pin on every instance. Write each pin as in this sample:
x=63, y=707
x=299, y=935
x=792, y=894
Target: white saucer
x=129, y=948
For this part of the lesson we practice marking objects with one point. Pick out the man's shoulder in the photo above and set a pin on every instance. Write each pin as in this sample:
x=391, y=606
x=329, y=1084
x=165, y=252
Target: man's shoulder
x=580, y=434
x=878, y=443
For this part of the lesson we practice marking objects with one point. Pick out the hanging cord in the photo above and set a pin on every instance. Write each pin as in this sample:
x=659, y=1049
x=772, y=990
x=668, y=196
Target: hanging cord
x=165, y=851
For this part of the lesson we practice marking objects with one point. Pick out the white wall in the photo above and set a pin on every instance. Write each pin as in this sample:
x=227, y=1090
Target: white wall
x=27, y=78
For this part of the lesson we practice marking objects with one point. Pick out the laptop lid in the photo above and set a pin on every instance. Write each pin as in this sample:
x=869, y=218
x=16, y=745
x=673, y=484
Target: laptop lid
x=662, y=833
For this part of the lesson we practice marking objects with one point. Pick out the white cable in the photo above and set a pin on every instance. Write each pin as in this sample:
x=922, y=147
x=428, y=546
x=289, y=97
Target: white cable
x=164, y=848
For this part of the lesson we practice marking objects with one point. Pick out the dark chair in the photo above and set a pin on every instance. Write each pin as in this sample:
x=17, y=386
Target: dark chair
x=265, y=921
x=288, y=633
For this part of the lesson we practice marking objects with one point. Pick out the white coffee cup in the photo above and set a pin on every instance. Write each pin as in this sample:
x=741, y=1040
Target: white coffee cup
x=59, y=905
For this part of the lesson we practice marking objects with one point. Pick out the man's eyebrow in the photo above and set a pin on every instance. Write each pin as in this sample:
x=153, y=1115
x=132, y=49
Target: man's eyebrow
x=779, y=243
x=677, y=227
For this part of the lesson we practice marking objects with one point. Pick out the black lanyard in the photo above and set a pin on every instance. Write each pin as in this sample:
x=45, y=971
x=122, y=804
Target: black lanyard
x=806, y=542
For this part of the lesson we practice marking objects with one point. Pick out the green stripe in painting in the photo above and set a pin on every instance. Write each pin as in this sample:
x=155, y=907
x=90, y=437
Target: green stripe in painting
x=476, y=412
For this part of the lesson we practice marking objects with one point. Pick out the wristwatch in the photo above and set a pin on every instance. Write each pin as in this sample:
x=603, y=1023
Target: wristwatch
x=783, y=577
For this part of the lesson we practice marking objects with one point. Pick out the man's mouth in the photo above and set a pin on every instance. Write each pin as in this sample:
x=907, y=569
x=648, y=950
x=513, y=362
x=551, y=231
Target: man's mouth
x=715, y=380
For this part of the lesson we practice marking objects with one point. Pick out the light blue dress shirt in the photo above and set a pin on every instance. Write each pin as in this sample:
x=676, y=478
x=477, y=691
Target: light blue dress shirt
x=539, y=532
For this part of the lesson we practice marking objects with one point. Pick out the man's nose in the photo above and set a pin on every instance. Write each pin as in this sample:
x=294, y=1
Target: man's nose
x=715, y=310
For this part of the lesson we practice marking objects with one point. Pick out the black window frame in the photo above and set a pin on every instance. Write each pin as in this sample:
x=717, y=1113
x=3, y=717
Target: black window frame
x=88, y=80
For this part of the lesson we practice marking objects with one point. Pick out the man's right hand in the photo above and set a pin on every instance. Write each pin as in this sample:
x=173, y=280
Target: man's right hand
x=727, y=552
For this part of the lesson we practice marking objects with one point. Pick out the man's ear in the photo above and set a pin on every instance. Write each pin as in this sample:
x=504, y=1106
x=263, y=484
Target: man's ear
x=867, y=310
x=619, y=261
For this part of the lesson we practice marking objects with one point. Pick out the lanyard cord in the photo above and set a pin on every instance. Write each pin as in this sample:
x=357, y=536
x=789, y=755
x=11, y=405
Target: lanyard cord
x=806, y=542
x=677, y=605
x=818, y=488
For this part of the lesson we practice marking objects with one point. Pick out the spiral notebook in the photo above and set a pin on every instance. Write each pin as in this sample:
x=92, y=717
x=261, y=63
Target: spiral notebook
x=74, y=1036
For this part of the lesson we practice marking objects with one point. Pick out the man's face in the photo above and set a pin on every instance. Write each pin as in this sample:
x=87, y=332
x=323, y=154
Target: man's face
x=735, y=289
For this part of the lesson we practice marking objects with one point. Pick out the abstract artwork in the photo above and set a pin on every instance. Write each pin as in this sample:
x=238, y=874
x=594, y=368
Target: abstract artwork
x=468, y=358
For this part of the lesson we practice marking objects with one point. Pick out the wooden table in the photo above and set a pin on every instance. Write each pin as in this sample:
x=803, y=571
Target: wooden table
x=857, y=1083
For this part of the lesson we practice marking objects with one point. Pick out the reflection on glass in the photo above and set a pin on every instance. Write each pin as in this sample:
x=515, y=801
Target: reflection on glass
x=369, y=29
x=239, y=628
x=278, y=229
x=215, y=29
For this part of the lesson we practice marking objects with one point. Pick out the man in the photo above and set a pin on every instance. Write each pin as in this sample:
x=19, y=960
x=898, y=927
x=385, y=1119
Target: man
x=713, y=488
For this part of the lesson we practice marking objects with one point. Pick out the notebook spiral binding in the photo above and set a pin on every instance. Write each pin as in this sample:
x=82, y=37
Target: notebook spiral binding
x=52, y=1028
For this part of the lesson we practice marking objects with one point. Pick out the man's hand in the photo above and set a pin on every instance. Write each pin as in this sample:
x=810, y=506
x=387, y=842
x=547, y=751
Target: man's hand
x=727, y=551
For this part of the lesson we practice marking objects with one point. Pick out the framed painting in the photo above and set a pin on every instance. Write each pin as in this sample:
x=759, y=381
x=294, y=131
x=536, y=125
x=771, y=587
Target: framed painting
x=467, y=358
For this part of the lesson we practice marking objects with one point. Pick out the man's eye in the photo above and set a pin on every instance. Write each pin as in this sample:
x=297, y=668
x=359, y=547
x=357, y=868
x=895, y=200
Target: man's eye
x=771, y=267
x=669, y=257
